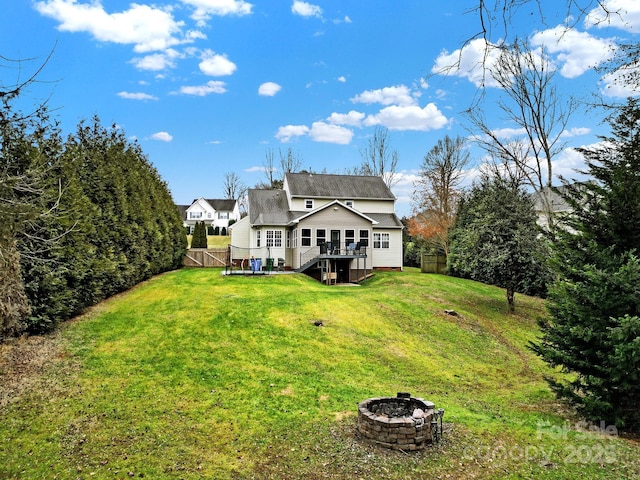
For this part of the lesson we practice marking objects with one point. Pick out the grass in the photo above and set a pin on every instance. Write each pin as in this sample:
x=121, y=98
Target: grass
x=196, y=375
x=214, y=241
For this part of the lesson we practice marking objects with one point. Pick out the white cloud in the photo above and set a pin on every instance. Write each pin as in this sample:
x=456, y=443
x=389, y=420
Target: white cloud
x=346, y=19
x=575, y=51
x=342, y=79
x=403, y=188
x=352, y=118
x=623, y=14
x=568, y=163
x=269, y=89
x=216, y=65
x=136, y=96
x=505, y=133
x=319, y=132
x=204, y=9
x=324, y=132
x=148, y=28
x=286, y=133
x=473, y=62
x=408, y=118
x=212, y=86
x=397, y=95
x=575, y=132
x=162, y=136
x=615, y=85
x=157, y=61
x=305, y=9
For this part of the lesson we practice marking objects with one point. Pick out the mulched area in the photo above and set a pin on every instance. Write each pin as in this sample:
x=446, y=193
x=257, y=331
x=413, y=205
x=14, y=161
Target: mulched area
x=22, y=362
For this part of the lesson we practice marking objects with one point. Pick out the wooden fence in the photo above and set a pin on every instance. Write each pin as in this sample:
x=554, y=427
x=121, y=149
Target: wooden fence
x=205, y=257
x=433, y=263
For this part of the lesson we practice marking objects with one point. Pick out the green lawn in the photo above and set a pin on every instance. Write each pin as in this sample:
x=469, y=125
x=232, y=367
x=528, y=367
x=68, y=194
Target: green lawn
x=196, y=375
x=214, y=241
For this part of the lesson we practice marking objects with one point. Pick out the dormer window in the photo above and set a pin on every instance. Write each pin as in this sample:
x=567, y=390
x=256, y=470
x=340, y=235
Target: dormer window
x=308, y=204
x=349, y=203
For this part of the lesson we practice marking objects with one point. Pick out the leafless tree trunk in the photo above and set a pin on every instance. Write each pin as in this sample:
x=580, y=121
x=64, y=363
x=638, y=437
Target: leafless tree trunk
x=437, y=191
x=531, y=103
x=233, y=187
x=378, y=158
x=290, y=162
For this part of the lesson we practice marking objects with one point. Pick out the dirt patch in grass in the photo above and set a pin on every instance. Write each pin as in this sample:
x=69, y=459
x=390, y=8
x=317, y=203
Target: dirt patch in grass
x=22, y=362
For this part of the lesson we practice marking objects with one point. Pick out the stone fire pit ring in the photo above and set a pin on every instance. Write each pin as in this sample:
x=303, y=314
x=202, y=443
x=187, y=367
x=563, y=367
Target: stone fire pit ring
x=399, y=423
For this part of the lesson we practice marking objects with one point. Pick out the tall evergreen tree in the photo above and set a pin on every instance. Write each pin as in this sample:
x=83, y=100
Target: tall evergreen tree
x=495, y=239
x=594, y=326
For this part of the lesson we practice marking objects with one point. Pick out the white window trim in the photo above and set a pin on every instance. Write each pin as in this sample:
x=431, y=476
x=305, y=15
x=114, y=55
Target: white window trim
x=379, y=240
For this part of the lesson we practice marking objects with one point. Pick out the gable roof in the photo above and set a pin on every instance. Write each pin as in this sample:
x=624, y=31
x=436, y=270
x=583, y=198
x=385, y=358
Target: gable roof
x=183, y=210
x=337, y=186
x=303, y=215
x=269, y=207
x=558, y=203
x=224, y=204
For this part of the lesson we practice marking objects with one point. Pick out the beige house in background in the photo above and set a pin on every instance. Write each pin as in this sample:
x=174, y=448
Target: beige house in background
x=332, y=227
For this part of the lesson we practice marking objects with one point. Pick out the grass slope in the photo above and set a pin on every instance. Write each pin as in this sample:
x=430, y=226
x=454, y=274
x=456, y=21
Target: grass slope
x=196, y=375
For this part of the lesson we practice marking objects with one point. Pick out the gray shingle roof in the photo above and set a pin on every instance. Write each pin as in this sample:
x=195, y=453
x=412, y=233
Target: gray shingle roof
x=183, y=210
x=386, y=220
x=337, y=186
x=224, y=205
x=269, y=207
x=558, y=204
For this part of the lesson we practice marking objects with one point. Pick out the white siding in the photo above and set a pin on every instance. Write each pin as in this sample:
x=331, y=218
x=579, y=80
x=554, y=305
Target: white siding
x=240, y=233
x=364, y=206
x=387, y=257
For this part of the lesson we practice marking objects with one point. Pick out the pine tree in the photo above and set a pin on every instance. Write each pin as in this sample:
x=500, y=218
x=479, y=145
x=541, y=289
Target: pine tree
x=594, y=326
x=495, y=239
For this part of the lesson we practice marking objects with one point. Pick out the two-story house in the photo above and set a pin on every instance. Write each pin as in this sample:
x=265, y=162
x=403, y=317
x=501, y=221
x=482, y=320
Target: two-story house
x=213, y=212
x=335, y=227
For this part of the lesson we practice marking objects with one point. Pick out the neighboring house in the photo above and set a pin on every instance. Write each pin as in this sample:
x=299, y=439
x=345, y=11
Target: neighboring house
x=558, y=205
x=333, y=227
x=213, y=212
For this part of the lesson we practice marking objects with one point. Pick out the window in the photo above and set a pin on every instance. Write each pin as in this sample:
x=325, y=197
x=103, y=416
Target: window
x=349, y=203
x=209, y=215
x=364, y=238
x=223, y=215
x=321, y=236
x=274, y=238
x=349, y=237
x=308, y=204
x=194, y=215
x=295, y=238
x=305, y=237
x=288, y=238
x=257, y=238
x=380, y=240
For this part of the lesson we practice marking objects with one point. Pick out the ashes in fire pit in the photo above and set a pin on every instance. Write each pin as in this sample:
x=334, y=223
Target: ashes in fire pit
x=400, y=423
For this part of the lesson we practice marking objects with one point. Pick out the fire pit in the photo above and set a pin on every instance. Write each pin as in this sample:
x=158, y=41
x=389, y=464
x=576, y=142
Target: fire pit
x=400, y=423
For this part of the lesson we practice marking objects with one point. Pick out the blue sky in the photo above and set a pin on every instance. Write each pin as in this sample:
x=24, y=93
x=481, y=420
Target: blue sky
x=209, y=86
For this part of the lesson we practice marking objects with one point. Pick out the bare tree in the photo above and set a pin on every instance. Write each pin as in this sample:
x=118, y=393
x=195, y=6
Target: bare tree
x=233, y=187
x=437, y=191
x=269, y=169
x=532, y=104
x=378, y=158
x=289, y=162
